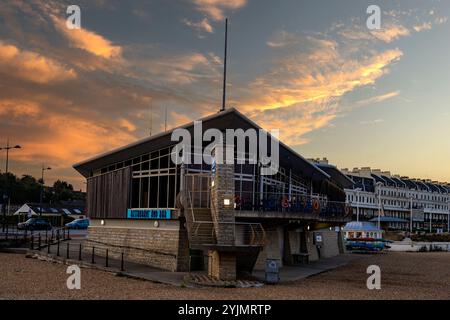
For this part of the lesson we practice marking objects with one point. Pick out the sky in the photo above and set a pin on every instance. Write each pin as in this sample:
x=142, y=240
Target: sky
x=312, y=69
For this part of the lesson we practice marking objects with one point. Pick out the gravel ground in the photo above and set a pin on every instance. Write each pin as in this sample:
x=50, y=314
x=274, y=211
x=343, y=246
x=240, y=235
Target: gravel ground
x=403, y=276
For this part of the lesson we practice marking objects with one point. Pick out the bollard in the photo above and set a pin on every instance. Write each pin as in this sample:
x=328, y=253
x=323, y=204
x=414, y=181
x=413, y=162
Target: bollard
x=79, y=253
x=57, y=235
x=39, y=242
x=121, y=264
x=68, y=252
x=57, y=248
x=106, y=259
x=93, y=252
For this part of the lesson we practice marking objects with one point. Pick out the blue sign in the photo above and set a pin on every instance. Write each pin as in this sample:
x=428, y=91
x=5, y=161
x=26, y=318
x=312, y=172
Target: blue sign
x=149, y=214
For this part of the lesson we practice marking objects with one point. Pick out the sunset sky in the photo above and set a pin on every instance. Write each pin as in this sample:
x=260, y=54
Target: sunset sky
x=312, y=69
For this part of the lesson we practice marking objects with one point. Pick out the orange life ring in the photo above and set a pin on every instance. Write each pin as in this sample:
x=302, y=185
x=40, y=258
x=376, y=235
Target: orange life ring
x=316, y=205
x=347, y=210
x=285, y=202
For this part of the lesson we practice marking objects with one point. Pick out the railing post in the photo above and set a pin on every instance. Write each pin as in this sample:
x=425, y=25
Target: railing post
x=7, y=227
x=51, y=239
x=92, y=258
x=106, y=261
x=46, y=236
x=68, y=252
x=79, y=253
x=31, y=242
x=48, y=247
x=39, y=242
x=57, y=248
x=68, y=234
x=121, y=264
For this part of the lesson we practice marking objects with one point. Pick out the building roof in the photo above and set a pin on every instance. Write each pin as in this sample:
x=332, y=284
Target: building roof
x=360, y=226
x=336, y=175
x=230, y=118
x=55, y=209
x=388, y=219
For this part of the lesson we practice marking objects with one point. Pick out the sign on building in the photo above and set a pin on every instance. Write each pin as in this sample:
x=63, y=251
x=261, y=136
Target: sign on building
x=149, y=214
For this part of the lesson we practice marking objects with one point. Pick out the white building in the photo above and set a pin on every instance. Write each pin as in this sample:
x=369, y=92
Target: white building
x=430, y=200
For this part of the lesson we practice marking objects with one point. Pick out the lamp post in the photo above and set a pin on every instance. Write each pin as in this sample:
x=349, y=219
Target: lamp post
x=42, y=189
x=357, y=190
x=7, y=148
x=379, y=185
x=410, y=215
x=448, y=215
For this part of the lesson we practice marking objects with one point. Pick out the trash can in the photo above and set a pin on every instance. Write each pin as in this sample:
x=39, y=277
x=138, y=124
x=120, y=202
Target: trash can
x=272, y=271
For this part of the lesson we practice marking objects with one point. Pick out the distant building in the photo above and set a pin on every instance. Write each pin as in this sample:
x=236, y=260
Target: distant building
x=73, y=210
x=430, y=200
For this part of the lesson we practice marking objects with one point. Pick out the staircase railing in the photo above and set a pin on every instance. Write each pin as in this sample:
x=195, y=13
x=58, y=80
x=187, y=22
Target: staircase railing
x=203, y=232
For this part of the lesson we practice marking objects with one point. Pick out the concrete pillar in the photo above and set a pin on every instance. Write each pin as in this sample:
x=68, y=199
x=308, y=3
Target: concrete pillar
x=222, y=196
x=222, y=264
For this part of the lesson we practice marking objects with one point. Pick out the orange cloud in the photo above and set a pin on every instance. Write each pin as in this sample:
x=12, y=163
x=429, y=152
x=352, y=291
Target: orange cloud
x=89, y=41
x=60, y=140
x=390, y=33
x=31, y=66
x=202, y=25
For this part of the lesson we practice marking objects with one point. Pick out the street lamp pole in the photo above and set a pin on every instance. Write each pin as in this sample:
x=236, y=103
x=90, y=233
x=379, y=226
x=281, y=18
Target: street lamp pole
x=42, y=189
x=410, y=215
x=379, y=184
x=7, y=148
x=357, y=190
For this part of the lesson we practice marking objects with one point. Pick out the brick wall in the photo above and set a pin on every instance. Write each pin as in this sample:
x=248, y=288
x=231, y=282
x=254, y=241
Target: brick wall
x=164, y=248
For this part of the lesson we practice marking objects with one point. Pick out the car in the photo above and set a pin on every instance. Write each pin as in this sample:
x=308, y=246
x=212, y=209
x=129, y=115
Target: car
x=78, y=224
x=35, y=224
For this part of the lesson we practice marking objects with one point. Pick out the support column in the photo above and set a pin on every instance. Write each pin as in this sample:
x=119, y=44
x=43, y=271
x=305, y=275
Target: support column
x=222, y=264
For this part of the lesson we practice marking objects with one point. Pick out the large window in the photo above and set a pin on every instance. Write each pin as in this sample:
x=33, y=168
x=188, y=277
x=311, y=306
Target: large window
x=155, y=181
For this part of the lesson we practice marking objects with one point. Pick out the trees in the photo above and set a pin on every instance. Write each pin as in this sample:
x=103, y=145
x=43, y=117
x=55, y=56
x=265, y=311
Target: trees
x=28, y=189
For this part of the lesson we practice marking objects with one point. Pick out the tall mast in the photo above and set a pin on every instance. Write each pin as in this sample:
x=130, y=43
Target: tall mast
x=225, y=67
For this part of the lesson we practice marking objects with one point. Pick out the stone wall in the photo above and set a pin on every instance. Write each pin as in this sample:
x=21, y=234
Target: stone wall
x=222, y=265
x=163, y=247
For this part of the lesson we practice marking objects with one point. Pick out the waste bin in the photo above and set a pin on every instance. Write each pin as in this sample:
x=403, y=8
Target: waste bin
x=272, y=271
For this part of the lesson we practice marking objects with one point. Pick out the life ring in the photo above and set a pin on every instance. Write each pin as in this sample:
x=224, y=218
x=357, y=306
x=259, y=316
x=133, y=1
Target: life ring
x=285, y=202
x=348, y=210
x=316, y=205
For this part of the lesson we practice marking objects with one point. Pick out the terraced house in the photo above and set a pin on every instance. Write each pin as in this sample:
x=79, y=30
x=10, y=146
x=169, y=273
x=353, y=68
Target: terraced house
x=225, y=218
x=405, y=204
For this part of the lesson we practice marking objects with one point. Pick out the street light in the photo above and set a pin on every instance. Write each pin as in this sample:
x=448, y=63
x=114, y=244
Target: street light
x=379, y=185
x=42, y=189
x=7, y=148
x=357, y=190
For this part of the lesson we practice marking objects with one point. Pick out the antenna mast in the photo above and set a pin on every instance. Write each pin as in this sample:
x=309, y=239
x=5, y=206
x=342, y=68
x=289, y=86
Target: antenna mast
x=225, y=67
x=165, y=119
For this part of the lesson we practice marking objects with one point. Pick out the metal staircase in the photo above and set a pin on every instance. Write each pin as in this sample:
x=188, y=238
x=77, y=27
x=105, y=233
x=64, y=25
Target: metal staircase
x=199, y=222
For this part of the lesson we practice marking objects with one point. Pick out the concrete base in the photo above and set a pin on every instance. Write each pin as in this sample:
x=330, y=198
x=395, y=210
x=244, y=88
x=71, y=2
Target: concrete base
x=222, y=265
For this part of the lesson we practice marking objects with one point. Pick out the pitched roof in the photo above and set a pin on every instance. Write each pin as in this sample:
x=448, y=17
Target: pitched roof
x=230, y=118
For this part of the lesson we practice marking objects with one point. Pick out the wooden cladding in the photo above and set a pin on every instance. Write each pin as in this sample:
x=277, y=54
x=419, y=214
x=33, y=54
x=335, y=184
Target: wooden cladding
x=108, y=195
